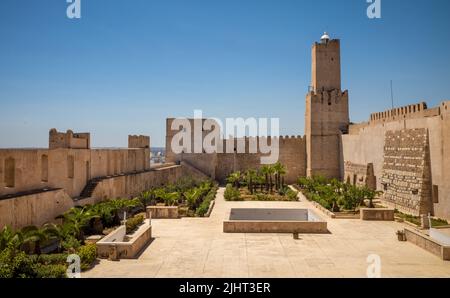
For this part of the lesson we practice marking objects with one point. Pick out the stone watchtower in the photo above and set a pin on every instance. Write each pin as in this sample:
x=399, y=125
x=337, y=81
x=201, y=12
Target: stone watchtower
x=326, y=111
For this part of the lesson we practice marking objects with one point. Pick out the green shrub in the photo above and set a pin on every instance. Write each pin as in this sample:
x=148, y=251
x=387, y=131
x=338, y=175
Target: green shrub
x=232, y=194
x=292, y=195
x=51, y=259
x=15, y=264
x=50, y=271
x=70, y=242
x=262, y=197
x=204, y=206
x=134, y=222
x=88, y=254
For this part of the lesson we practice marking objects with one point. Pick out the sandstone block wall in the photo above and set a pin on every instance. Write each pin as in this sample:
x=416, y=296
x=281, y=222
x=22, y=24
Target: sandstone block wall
x=359, y=174
x=292, y=154
x=129, y=186
x=406, y=170
x=68, y=139
x=326, y=117
x=70, y=169
x=365, y=144
x=33, y=209
x=138, y=141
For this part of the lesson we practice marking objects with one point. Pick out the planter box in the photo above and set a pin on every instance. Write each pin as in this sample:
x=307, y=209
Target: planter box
x=429, y=244
x=115, y=245
x=162, y=212
x=382, y=214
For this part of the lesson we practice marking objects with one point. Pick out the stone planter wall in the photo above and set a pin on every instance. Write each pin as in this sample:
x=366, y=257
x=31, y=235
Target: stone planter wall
x=382, y=214
x=115, y=247
x=162, y=212
x=428, y=243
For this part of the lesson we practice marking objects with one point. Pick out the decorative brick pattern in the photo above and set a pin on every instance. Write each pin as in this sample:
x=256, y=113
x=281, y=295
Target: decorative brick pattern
x=406, y=170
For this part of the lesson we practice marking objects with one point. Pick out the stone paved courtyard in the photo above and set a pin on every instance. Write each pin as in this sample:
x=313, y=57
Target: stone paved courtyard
x=197, y=247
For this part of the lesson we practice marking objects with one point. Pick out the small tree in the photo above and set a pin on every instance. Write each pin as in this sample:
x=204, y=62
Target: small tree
x=369, y=194
x=235, y=179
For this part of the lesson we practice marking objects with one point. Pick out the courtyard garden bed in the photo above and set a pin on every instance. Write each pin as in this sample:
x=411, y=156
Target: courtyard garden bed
x=265, y=184
x=415, y=220
x=42, y=251
x=190, y=198
x=335, y=198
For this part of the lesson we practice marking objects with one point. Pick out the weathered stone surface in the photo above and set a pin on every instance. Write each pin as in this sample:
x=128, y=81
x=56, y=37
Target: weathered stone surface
x=162, y=212
x=382, y=214
x=406, y=172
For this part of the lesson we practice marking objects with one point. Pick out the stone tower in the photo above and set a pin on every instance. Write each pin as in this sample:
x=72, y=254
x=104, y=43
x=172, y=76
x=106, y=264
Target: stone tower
x=326, y=111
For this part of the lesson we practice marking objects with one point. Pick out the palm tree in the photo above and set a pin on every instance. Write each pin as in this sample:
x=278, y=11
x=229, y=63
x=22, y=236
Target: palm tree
x=271, y=171
x=34, y=237
x=280, y=171
x=192, y=196
x=8, y=236
x=235, y=179
x=77, y=219
x=265, y=170
x=147, y=196
x=251, y=180
x=56, y=231
x=170, y=198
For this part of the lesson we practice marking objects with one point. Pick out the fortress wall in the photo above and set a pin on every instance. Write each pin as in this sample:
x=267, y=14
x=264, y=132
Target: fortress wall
x=292, y=154
x=35, y=209
x=42, y=207
x=406, y=171
x=69, y=169
x=138, y=141
x=203, y=162
x=366, y=145
x=129, y=186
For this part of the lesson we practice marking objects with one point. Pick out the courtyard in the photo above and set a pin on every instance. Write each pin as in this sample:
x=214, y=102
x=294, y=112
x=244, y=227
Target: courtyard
x=197, y=247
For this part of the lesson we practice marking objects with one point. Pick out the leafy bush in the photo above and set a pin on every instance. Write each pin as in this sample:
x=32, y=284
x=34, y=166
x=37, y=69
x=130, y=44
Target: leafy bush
x=292, y=195
x=204, y=206
x=88, y=254
x=50, y=271
x=232, y=194
x=134, y=222
x=262, y=197
x=70, y=242
x=15, y=264
x=334, y=195
x=51, y=259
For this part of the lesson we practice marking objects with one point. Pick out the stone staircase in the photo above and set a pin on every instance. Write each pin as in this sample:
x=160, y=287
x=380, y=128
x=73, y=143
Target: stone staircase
x=195, y=170
x=89, y=188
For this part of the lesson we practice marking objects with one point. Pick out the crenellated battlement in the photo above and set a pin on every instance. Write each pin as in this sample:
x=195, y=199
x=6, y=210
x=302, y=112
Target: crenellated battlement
x=405, y=112
x=68, y=139
x=328, y=97
x=139, y=141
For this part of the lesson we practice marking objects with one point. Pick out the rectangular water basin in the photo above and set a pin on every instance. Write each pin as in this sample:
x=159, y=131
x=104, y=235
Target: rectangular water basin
x=253, y=220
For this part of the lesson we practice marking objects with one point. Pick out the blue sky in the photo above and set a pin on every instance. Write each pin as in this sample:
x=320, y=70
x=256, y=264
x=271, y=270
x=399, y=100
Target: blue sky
x=127, y=65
